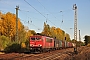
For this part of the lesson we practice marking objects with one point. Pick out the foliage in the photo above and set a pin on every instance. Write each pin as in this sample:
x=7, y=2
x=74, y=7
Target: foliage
x=79, y=43
x=27, y=44
x=55, y=32
x=23, y=45
x=8, y=25
x=22, y=35
x=67, y=37
x=17, y=47
x=28, y=34
x=33, y=32
x=4, y=41
x=14, y=47
x=8, y=29
x=87, y=39
x=46, y=30
x=73, y=41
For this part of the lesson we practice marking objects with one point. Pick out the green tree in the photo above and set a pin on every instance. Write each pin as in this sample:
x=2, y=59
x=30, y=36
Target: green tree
x=87, y=39
x=22, y=35
x=4, y=42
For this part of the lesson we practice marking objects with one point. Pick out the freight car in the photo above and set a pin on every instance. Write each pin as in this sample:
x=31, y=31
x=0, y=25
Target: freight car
x=44, y=43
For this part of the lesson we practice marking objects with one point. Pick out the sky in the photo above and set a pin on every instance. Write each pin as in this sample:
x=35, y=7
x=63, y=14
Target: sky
x=57, y=13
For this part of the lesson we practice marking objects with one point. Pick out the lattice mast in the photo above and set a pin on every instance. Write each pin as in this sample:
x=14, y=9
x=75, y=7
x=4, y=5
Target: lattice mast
x=75, y=26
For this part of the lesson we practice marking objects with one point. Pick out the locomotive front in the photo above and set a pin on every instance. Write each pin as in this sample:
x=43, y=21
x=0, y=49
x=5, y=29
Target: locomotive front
x=35, y=43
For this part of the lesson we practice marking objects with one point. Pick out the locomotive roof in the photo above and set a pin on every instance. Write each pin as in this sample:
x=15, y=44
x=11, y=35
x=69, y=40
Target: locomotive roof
x=40, y=35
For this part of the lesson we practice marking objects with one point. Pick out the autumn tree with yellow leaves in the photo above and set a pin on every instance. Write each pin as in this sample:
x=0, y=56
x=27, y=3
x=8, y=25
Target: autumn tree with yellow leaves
x=55, y=32
x=46, y=31
x=8, y=28
x=9, y=25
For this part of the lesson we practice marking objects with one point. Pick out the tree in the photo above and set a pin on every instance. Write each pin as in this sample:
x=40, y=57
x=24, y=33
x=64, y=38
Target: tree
x=9, y=25
x=53, y=32
x=87, y=39
x=22, y=35
x=33, y=32
x=46, y=30
x=4, y=41
x=67, y=37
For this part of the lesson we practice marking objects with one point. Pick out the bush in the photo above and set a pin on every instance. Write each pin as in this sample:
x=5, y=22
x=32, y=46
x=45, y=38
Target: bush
x=23, y=45
x=15, y=47
x=4, y=41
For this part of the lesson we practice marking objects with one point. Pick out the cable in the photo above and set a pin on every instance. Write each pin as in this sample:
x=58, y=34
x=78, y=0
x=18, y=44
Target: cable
x=46, y=9
x=34, y=8
x=34, y=25
x=31, y=24
x=37, y=11
x=23, y=10
x=29, y=21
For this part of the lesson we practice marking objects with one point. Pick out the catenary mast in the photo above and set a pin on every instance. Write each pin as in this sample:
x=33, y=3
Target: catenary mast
x=75, y=27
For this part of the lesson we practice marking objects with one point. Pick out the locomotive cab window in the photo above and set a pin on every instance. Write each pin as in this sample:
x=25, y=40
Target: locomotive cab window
x=37, y=38
x=32, y=38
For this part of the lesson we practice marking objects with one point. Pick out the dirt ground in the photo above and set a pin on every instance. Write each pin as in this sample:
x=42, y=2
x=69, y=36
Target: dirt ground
x=83, y=54
x=66, y=54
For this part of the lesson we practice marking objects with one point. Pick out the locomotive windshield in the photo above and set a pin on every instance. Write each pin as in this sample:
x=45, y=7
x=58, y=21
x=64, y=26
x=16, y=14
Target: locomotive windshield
x=32, y=38
x=35, y=38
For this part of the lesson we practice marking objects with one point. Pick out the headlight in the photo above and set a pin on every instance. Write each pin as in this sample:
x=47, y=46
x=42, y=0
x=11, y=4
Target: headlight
x=40, y=45
x=31, y=45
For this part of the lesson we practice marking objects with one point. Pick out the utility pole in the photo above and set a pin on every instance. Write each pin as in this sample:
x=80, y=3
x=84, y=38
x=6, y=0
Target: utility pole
x=79, y=38
x=16, y=37
x=75, y=27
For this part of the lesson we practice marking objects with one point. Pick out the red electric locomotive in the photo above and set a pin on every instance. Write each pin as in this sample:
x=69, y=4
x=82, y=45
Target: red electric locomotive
x=41, y=43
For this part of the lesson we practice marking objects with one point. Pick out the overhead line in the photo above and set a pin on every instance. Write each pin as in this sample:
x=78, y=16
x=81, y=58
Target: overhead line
x=23, y=10
x=49, y=12
x=34, y=25
x=52, y=23
x=34, y=8
x=31, y=24
x=37, y=11
x=46, y=9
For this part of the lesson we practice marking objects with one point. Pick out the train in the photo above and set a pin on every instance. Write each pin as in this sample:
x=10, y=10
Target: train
x=45, y=43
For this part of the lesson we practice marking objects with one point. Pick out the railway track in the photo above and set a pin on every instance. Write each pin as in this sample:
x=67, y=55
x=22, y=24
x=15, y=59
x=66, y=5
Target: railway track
x=13, y=56
x=65, y=54
x=53, y=55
